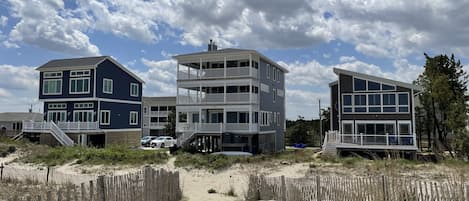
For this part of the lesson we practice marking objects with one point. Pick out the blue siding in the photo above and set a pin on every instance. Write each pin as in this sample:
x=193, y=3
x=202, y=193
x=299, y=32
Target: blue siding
x=70, y=109
x=120, y=115
x=121, y=82
x=65, y=87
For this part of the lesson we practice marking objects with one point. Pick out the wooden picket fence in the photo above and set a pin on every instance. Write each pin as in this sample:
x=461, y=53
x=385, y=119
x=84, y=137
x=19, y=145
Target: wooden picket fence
x=378, y=188
x=144, y=185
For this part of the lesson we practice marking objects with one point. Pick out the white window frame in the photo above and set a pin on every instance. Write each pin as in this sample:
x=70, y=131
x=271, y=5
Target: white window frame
x=101, y=116
x=52, y=74
x=104, y=85
x=78, y=78
x=83, y=111
x=49, y=93
x=136, y=118
x=408, y=122
x=61, y=112
x=56, y=106
x=396, y=105
x=80, y=73
x=83, y=105
x=347, y=122
x=137, y=91
x=268, y=70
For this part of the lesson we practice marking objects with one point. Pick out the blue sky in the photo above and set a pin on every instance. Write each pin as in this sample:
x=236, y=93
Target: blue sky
x=383, y=38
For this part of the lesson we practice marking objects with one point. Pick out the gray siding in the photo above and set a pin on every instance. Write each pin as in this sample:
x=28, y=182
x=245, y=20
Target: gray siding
x=268, y=104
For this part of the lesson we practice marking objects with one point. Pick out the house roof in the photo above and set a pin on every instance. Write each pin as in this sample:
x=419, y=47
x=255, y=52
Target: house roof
x=233, y=50
x=375, y=78
x=89, y=62
x=20, y=116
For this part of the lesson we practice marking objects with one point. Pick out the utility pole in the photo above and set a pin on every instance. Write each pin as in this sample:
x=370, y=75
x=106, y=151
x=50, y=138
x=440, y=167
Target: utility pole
x=320, y=124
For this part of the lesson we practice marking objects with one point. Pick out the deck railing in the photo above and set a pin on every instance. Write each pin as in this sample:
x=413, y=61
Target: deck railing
x=195, y=74
x=371, y=139
x=216, y=127
x=244, y=97
x=44, y=125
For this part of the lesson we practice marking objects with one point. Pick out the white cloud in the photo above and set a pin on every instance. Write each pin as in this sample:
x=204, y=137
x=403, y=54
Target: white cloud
x=344, y=59
x=48, y=25
x=9, y=44
x=18, y=88
x=326, y=55
x=3, y=21
x=160, y=77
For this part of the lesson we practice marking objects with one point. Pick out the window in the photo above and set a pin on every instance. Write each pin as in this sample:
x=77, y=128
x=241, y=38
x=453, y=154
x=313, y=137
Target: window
x=389, y=99
x=232, y=117
x=404, y=129
x=79, y=73
x=360, y=100
x=374, y=102
x=347, y=128
x=244, y=63
x=274, y=94
x=52, y=87
x=278, y=118
x=373, y=86
x=348, y=100
x=107, y=86
x=183, y=117
x=83, y=105
x=105, y=118
x=359, y=84
x=163, y=108
x=195, y=118
x=54, y=106
x=231, y=64
x=83, y=116
x=79, y=85
x=268, y=70
x=133, y=89
x=255, y=64
x=153, y=108
x=403, y=99
x=57, y=116
x=145, y=110
x=386, y=87
x=52, y=74
x=133, y=120
x=265, y=119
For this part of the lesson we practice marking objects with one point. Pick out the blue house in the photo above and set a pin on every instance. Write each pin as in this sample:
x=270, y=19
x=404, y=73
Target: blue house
x=89, y=101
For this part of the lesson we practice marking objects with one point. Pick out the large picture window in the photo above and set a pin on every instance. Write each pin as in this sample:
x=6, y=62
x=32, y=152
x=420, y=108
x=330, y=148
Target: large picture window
x=52, y=87
x=83, y=116
x=376, y=102
x=368, y=85
x=79, y=85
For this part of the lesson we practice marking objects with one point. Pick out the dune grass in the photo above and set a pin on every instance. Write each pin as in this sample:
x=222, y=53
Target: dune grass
x=111, y=155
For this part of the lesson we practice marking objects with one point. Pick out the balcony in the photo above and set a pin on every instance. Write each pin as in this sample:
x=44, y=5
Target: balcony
x=65, y=126
x=159, y=113
x=216, y=127
x=372, y=141
x=195, y=74
x=218, y=98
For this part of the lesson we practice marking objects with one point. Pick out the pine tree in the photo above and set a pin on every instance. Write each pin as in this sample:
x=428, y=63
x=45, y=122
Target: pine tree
x=444, y=100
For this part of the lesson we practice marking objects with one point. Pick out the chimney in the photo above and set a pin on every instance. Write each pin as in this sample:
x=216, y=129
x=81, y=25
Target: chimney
x=212, y=46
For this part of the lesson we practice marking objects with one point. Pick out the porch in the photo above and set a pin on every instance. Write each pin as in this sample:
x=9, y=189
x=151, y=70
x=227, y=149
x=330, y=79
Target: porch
x=369, y=141
x=42, y=126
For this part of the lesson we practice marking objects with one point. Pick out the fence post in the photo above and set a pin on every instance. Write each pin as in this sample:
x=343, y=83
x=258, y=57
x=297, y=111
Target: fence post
x=318, y=187
x=101, y=189
x=1, y=171
x=383, y=180
x=49, y=196
x=284, y=189
x=47, y=175
x=91, y=191
x=147, y=178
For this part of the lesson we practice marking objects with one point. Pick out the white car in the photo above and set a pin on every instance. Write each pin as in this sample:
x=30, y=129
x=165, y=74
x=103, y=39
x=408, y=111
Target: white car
x=163, y=141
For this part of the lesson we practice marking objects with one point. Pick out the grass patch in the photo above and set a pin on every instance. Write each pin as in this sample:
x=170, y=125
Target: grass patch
x=216, y=162
x=111, y=155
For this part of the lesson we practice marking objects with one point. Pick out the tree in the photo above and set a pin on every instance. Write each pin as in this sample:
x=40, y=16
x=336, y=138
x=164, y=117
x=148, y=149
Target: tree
x=326, y=118
x=170, y=128
x=443, y=100
x=299, y=131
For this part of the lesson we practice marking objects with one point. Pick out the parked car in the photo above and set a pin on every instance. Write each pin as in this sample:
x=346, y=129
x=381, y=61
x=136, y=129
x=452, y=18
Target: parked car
x=163, y=141
x=145, y=141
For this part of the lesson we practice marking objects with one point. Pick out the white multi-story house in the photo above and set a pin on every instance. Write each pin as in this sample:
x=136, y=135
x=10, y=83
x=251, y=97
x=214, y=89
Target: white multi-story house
x=156, y=113
x=230, y=100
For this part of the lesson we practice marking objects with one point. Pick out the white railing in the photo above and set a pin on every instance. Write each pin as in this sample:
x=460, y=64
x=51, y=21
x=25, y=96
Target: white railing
x=60, y=135
x=187, y=99
x=43, y=125
x=213, y=98
x=159, y=113
x=237, y=97
x=217, y=73
x=375, y=139
x=216, y=127
x=78, y=125
x=158, y=124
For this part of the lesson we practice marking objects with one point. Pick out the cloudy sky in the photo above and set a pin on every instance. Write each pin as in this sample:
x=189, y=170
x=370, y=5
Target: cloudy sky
x=383, y=38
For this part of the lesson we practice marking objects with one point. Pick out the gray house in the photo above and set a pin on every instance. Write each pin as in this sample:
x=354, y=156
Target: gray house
x=371, y=113
x=11, y=123
x=156, y=111
x=230, y=100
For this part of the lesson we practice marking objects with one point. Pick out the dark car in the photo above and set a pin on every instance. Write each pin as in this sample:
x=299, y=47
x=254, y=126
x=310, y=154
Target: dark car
x=145, y=141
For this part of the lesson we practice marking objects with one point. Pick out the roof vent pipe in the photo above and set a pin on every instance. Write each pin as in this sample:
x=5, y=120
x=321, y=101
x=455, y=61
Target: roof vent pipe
x=212, y=46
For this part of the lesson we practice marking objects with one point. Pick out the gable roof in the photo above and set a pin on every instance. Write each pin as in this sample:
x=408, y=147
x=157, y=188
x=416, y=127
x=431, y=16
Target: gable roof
x=232, y=50
x=83, y=62
x=375, y=78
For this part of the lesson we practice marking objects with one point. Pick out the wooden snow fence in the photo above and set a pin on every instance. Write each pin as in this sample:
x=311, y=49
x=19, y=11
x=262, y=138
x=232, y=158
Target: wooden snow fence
x=145, y=185
x=378, y=188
